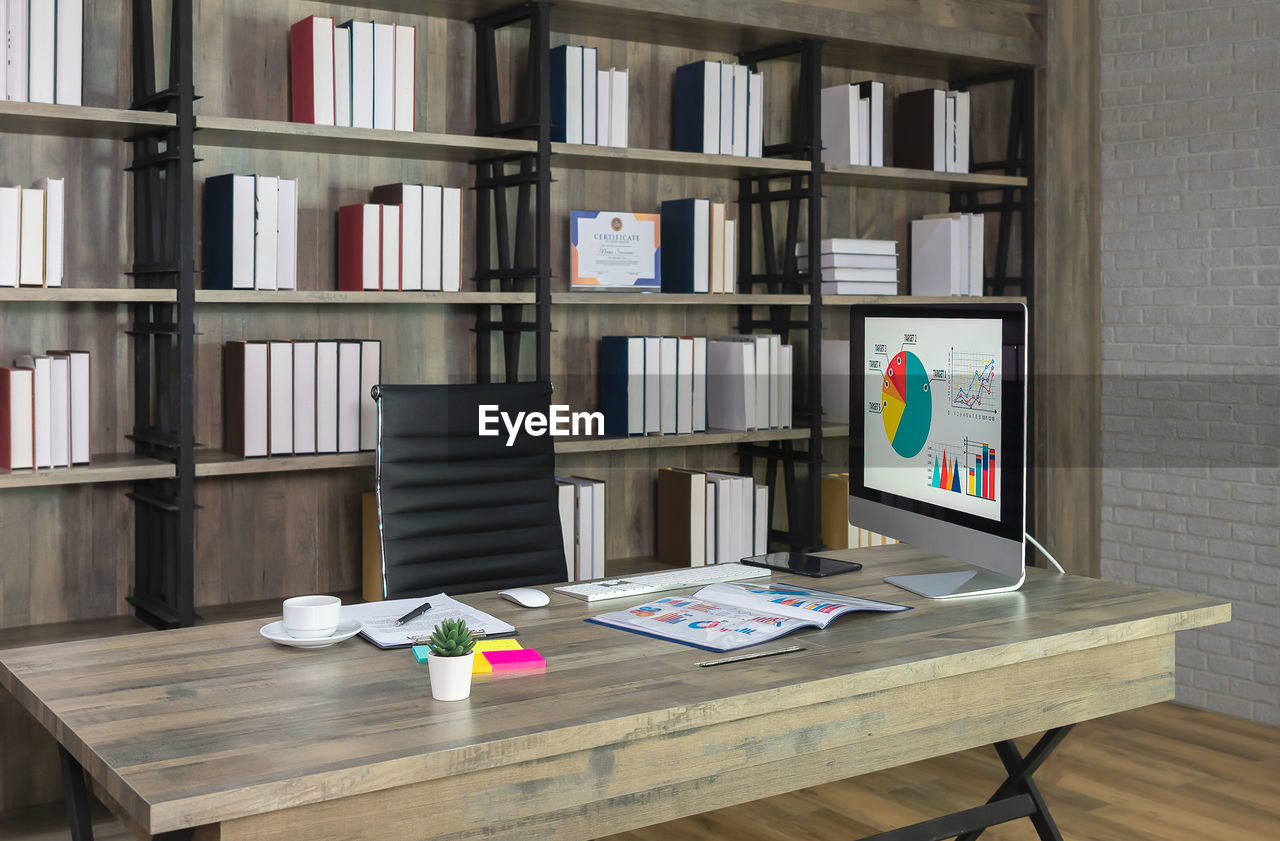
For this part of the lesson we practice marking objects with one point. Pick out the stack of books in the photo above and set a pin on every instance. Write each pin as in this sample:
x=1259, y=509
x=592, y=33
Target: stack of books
x=582, y=525
x=359, y=74
x=250, y=232
x=836, y=531
x=44, y=411
x=947, y=254
x=41, y=46
x=410, y=239
x=855, y=266
x=719, y=109
x=31, y=234
x=588, y=105
x=699, y=247
x=710, y=517
x=853, y=124
x=931, y=131
x=300, y=397
x=680, y=384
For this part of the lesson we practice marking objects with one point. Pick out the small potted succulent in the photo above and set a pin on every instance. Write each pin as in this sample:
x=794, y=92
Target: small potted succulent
x=449, y=660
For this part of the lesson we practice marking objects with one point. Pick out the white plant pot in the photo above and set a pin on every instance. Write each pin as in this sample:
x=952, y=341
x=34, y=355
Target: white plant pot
x=450, y=676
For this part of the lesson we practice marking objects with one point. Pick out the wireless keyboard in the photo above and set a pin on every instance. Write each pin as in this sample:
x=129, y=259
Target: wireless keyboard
x=656, y=582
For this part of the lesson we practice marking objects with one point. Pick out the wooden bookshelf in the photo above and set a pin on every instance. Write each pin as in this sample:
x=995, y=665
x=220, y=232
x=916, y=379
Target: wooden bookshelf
x=851, y=300
x=87, y=295
x=897, y=178
x=662, y=299
x=666, y=161
x=219, y=463
x=296, y=296
x=112, y=467
x=78, y=121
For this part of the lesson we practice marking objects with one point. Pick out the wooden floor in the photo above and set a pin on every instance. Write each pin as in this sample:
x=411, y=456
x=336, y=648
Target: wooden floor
x=1164, y=773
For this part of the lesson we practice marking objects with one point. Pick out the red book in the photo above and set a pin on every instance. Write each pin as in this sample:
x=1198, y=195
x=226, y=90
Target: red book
x=311, y=65
x=359, y=247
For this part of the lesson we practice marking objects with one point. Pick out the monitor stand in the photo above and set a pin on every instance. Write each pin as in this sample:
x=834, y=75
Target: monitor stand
x=948, y=585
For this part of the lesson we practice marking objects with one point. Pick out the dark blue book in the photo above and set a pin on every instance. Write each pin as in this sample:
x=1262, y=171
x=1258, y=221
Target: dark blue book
x=622, y=384
x=228, y=232
x=566, y=94
x=686, y=245
x=697, y=111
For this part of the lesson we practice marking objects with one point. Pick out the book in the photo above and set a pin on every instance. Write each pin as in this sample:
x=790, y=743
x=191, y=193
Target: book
x=730, y=386
x=60, y=410
x=724, y=617
x=31, y=249
x=304, y=397
x=604, y=92
x=359, y=247
x=565, y=79
x=682, y=517
x=715, y=282
x=668, y=389
x=361, y=72
x=384, y=76
x=4, y=50
x=584, y=522
x=451, y=239
x=699, y=383
x=761, y=533
x=859, y=287
x=79, y=410
x=41, y=406
x=958, y=131
x=684, y=385
x=652, y=384
x=590, y=80
x=68, y=58
x=786, y=380
x=852, y=261
x=864, y=135
x=874, y=92
x=839, y=124
x=696, y=127
x=711, y=534
x=348, y=393
x=741, y=86
x=726, y=109
x=938, y=262
x=370, y=376
x=54, y=232
x=406, y=75
x=10, y=232
x=287, y=234
x=17, y=433
x=342, y=75
x=885, y=276
x=432, y=226
x=279, y=398
x=755, y=116
x=326, y=397
x=42, y=41
x=568, y=527
x=17, y=50
x=619, y=105
x=730, y=256
x=389, y=262
x=266, y=232
x=622, y=384
x=851, y=246
x=244, y=398
x=723, y=516
x=229, y=232
x=685, y=253
x=919, y=121
x=312, y=70
x=408, y=197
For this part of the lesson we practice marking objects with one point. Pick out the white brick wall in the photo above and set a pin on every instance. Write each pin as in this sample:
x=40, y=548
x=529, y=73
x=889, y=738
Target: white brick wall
x=1191, y=327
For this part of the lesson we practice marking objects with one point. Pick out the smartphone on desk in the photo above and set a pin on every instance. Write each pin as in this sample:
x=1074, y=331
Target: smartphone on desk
x=814, y=566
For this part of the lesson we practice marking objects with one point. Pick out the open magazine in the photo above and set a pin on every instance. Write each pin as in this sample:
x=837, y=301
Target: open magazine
x=722, y=617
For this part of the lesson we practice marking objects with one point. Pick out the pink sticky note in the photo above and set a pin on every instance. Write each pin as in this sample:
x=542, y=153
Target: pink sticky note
x=525, y=659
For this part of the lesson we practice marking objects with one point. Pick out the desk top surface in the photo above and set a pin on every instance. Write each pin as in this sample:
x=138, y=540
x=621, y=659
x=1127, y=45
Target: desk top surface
x=190, y=726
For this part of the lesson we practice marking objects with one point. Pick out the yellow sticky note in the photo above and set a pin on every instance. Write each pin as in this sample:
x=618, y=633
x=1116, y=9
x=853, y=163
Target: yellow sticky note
x=479, y=665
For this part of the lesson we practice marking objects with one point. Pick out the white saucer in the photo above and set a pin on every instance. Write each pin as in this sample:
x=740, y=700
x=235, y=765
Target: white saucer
x=276, y=633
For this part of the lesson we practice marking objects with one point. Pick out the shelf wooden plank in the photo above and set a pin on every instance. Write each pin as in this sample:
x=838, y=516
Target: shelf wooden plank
x=696, y=439
x=78, y=121
x=219, y=463
x=897, y=178
x=282, y=136
x=88, y=295
x=333, y=296
x=836, y=431
x=671, y=300
x=850, y=300
x=666, y=161
x=113, y=467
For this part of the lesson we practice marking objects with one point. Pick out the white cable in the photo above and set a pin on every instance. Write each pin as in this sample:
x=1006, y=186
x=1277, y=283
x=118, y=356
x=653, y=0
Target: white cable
x=1045, y=552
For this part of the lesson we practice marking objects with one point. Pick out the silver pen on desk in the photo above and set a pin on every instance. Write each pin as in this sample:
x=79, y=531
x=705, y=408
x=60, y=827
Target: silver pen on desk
x=753, y=656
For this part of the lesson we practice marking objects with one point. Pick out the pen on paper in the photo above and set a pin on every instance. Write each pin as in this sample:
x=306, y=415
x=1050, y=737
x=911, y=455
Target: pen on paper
x=753, y=656
x=413, y=614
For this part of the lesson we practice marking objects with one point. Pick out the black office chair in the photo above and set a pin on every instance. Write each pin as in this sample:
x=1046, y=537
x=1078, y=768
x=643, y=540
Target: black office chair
x=459, y=513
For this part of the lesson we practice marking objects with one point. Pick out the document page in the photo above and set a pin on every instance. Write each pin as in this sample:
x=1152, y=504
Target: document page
x=378, y=619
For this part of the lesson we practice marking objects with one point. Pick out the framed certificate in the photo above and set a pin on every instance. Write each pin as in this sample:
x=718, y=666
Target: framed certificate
x=614, y=250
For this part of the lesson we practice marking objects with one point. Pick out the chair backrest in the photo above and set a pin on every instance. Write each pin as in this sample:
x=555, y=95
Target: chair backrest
x=457, y=512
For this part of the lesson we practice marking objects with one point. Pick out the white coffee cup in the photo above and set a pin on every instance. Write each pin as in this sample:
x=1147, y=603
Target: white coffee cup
x=311, y=617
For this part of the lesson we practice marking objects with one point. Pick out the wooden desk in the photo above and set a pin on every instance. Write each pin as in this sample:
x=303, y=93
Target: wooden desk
x=216, y=728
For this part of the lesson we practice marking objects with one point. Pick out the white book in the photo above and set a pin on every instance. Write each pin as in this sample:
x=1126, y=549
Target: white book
x=764, y=380
x=243, y=210
x=711, y=523
x=31, y=249
x=384, y=76
x=745, y=488
x=266, y=231
x=619, y=108
x=68, y=55
x=362, y=85
x=304, y=397
x=724, y=497
x=684, y=385
x=786, y=363
x=877, y=123
x=78, y=363
x=370, y=375
x=728, y=405
x=711, y=106
x=668, y=397
x=949, y=139
x=839, y=123
x=935, y=255
x=889, y=277
x=761, y=520
x=864, y=131
x=597, y=530
x=604, y=90
x=279, y=398
x=371, y=247
x=701, y=245
x=60, y=410
x=287, y=234
x=859, y=287
x=406, y=77
x=322, y=70
x=21, y=417
x=853, y=261
x=775, y=383
x=977, y=262
x=42, y=26
x=431, y=229
x=835, y=380
x=573, y=94
x=652, y=384
x=590, y=83
x=940, y=131
x=726, y=109
x=730, y=256
x=584, y=526
x=568, y=528
x=326, y=397
x=390, y=277
x=851, y=246
x=411, y=237
x=255, y=399
x=699, y=383
x=741, y=85
x=10, y=234
x=16, y=54
x=755, y=116
x=635, y=385
x=4, y=50
x=348, y=397
x=451, y=239
x=962, y=131
x=342, y=75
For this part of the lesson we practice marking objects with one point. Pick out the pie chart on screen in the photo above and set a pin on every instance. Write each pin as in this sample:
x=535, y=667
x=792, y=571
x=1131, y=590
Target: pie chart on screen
x=908, y=404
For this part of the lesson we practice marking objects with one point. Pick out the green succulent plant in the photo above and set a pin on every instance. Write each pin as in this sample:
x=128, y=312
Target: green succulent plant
x=451, y=638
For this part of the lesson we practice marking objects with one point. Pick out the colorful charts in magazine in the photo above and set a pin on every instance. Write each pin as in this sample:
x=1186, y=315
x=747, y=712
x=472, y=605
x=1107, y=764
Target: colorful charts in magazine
x=932, y=397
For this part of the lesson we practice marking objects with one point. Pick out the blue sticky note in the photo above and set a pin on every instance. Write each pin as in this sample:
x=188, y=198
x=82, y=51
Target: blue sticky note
x=420, y=653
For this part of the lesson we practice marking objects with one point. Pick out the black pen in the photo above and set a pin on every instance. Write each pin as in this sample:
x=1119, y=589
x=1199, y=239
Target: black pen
x=413, y=614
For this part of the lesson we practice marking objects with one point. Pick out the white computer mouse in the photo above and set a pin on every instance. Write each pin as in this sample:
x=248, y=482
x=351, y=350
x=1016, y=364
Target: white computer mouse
x=526, y=597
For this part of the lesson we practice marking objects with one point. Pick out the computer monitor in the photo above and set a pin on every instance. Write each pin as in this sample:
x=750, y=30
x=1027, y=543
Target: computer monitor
x=937, y=437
